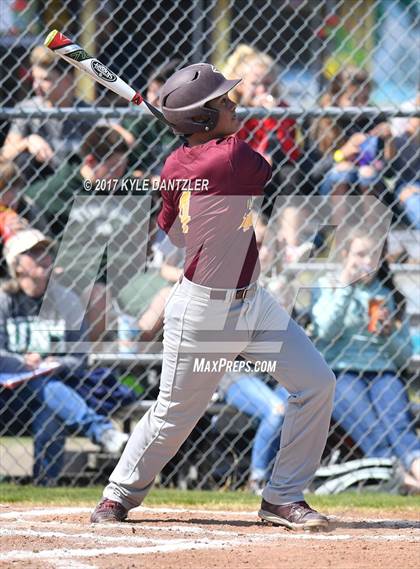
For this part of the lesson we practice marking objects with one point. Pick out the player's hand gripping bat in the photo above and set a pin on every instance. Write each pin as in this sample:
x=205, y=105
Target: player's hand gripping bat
x=77, y=56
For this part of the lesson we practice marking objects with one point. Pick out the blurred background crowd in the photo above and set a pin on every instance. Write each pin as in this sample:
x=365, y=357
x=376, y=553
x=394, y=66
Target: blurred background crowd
x=357, y=57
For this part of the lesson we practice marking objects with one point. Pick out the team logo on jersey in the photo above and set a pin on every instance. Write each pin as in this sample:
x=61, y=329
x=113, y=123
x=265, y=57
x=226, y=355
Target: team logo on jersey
x=78, y=55
x=102, y=71
x=247, y=221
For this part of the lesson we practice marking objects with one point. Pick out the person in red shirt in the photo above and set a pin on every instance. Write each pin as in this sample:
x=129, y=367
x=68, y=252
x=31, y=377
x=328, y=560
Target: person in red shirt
x=218, y=309
x=275, y=138
x=259, y=88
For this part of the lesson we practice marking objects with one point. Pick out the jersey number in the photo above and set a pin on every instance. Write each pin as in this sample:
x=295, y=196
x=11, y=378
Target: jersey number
x=184, y=209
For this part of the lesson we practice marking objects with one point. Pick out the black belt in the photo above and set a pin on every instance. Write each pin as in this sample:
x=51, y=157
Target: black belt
x=221, y=294
x=240, y=294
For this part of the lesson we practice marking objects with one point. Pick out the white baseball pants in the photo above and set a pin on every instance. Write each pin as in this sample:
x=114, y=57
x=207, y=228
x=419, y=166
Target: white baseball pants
x=258, y=328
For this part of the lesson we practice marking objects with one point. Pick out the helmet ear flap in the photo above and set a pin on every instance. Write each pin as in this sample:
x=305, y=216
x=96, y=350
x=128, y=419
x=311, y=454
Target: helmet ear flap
x=185, y=94
x=212, y=118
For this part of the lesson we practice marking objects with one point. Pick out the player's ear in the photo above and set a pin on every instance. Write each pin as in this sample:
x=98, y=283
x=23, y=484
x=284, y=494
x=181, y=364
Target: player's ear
x=200, y=119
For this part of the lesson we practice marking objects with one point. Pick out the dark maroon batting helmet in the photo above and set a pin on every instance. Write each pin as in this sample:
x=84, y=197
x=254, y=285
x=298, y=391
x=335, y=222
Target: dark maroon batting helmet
x=185, y=94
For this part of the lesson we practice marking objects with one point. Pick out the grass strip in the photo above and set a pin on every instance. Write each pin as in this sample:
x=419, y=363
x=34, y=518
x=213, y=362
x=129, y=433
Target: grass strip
x=214, y=500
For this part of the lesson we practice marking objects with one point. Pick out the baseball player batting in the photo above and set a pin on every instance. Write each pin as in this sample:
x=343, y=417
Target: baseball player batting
x=219, y=302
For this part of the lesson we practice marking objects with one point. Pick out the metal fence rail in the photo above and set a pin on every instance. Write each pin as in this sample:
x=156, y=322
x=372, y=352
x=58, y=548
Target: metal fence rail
x=96, y=113
x=315, y=75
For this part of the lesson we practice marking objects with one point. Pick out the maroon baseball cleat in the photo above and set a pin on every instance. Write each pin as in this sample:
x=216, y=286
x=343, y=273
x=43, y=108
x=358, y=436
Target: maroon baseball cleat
x=108, y=511
x=296, y=516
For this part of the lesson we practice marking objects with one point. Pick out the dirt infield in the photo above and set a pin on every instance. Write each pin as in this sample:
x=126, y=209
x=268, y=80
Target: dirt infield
x=63, y=538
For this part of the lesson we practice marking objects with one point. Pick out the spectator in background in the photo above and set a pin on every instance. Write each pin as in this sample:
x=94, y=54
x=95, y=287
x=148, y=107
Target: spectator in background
x=399, y=124
x=101, y=156
x=406, y=167
x=15, y=83
x=362, y=331
x=296, y=231
x=347, y=154
x=274, y=138
x=27, y=340
x=16, y=210
x=90, y=222
x=154, y=141
x=41, y=145
x=259, y=88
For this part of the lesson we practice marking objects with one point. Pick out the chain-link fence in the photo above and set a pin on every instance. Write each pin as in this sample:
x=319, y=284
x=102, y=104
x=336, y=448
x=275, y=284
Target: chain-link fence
x=330, y=97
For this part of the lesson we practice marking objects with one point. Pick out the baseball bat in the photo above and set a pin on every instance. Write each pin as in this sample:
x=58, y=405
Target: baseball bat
x=77, y=56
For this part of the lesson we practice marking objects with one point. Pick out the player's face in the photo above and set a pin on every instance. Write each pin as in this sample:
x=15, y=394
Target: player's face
x=228, y=123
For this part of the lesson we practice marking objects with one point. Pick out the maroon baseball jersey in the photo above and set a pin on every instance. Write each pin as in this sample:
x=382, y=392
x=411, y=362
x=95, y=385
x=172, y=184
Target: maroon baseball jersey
x=207, y=197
